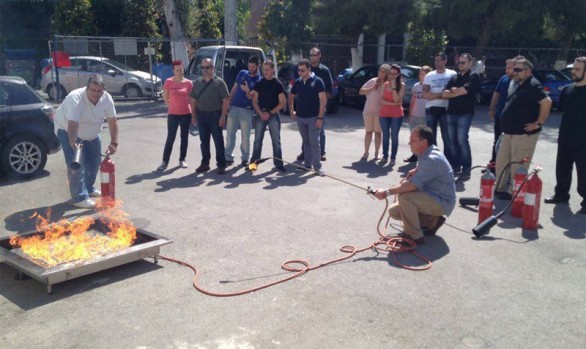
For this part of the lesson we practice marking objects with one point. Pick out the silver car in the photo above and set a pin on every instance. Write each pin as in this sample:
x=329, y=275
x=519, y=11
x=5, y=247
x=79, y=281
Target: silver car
x=119, y=78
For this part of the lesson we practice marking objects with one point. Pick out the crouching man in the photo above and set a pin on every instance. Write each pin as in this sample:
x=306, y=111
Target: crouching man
x=428, y=193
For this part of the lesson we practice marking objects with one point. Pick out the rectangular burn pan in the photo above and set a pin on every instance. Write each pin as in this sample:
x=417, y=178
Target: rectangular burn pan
x=147, y=244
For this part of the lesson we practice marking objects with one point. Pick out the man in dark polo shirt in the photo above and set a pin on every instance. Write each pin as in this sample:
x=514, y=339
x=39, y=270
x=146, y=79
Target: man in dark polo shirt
x=311, y=107
x=571, y=139
x=209, y=107
x=268, y=97
x=526, y=110
x=323, y=72
x=461, y=91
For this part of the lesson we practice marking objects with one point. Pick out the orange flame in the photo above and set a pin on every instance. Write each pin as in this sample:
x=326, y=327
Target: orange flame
x=65, y=241
x=252, y=167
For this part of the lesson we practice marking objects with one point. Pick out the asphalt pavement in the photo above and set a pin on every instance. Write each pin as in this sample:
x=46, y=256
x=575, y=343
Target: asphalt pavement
x=514, y=288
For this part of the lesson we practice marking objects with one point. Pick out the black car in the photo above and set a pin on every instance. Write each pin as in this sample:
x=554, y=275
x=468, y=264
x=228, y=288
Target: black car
x=26, y=129
x=351, y=85
x=287, y=74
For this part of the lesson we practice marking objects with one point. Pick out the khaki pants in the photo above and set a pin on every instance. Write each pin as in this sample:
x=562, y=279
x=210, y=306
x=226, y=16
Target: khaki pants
x=513, y=148
x=417, y=210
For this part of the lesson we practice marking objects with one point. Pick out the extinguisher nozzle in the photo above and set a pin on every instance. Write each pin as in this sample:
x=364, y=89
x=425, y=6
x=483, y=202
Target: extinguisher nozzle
x=468, y=201
x=484, y=227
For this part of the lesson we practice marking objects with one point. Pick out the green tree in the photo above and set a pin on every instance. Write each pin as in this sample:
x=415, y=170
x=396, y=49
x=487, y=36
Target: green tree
x=242, y=14
x=140, y=20
x=74, y=17
x=564, y=23
x=108, y=15
x=287, y=23
x=423, y=44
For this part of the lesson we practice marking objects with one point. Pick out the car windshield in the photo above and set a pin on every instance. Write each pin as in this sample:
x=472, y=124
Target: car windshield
x=551, y=75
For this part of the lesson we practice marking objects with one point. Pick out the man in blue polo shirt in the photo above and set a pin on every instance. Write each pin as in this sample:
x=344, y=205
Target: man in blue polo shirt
x=241, y=111
x=310, y=111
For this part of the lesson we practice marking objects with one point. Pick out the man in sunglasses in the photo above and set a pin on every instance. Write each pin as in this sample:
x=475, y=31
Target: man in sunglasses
x=323, y=72
x=461, y=92
x=209, y=107
x=526, y=110
x=571, y=140
x=309, y=113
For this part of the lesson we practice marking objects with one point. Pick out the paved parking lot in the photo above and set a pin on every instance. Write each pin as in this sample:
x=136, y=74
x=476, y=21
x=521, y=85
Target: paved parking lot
x=513, y=289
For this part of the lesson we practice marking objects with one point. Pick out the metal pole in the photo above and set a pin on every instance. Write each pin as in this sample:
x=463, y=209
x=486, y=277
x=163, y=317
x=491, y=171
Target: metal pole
x=153, y=85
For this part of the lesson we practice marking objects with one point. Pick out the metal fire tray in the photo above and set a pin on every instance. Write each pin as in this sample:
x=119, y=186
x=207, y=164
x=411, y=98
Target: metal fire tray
x=147, y=244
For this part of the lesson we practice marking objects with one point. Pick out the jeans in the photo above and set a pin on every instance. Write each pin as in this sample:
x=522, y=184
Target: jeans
x=435, y=116
x=81, y=182
x=238, y=117
x=173, y=122
x=394, y=125
x=310, y=136
x=322, y=139
x=260, y=126
x=209, y=126
x=458, y=128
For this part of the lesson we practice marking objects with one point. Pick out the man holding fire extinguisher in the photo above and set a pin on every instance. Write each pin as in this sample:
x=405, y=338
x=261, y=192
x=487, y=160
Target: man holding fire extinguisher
x=78, y=124
x=429, y=191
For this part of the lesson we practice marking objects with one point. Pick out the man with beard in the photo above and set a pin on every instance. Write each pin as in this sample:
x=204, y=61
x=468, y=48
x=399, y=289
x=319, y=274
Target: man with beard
x=526, y=110
x=241, y=111
x=571, y=141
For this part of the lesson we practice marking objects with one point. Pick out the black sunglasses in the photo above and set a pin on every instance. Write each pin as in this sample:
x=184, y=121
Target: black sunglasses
x=518, y=70
x=204, y=67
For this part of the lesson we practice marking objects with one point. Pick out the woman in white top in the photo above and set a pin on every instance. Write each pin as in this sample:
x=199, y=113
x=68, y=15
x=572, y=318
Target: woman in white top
x=372, y=89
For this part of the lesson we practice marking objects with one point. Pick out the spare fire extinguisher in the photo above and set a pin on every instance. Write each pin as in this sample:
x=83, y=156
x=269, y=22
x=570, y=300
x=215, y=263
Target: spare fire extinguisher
x=108, y=176
x=517, y=208
x=532, y=202
x=487, y=182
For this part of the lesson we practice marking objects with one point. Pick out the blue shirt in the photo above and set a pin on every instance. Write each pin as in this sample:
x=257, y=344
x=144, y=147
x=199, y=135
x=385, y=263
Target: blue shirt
x=308, y=96
x=434, y=176
x=240, y=99
x=502, y=87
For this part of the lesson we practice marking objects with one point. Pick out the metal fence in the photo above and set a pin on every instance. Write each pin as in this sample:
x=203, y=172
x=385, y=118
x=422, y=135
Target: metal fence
x=153, y=57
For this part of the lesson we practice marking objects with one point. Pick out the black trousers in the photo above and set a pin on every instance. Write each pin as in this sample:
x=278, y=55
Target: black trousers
x=568, y=154
x=497, y=134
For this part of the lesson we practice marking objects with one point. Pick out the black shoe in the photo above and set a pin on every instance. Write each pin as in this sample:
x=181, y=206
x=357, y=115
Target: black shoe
x=556, y=200
x=464, y=176
x=420, y=241
x=221, y=170
x=434, y=229
x=412, y=158
x=503, y=195
x=229, y=162
x=300, y=157
x=244, y=163
x=202, y=168
x=281, y=169
x=323, y=158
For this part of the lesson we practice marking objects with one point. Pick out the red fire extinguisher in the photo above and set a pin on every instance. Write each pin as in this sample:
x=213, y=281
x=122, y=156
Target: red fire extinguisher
x=486, y=201
x=532, y=202
x=517, y=208
x=108, y=176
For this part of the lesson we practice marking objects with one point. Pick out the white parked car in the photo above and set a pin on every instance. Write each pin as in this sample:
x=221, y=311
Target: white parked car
x=119, y=78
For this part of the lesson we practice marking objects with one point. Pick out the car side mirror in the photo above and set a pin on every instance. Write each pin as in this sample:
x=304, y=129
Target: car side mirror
x=111, y=72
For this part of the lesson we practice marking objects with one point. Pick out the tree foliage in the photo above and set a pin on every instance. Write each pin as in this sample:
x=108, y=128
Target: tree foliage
x=287, y=23
x=109, y=16
x=424, y=43
x=74, y=17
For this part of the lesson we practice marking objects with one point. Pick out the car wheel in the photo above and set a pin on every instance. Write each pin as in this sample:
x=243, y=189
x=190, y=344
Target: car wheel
x=52, y=92
x=132, y=91
x=24, y=156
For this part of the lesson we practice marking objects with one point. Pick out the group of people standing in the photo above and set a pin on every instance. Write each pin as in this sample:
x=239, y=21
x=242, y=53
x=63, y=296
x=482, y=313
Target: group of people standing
x=254, y=100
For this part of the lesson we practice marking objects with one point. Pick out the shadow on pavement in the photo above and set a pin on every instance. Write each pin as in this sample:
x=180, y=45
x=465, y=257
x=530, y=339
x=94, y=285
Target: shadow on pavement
x=149, y=175
x=573, y=223
x=370, y=168
x=29, y=294
x=23, y=222
x=6, y=180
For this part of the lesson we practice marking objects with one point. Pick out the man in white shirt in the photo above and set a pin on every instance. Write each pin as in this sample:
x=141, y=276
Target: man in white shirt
x=78, y=123
x=436, y=107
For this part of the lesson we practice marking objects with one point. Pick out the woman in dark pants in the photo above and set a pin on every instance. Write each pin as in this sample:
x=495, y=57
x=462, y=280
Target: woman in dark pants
x=176, y=92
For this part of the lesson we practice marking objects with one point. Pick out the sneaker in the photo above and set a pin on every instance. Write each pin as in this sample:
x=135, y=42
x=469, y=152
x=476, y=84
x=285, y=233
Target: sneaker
x=300, y=157
x=182, y=164
x=464, y=176
x=281, y=169
x=393, y=162
x=412, y=158
x=96, y=194
x=320, y=172
x=87, y=203
x=244, y=163
x=323, y=158
x=202, y=168
x=431, y=231
x=221, y=170
x=162, y=166
x=383, y=161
